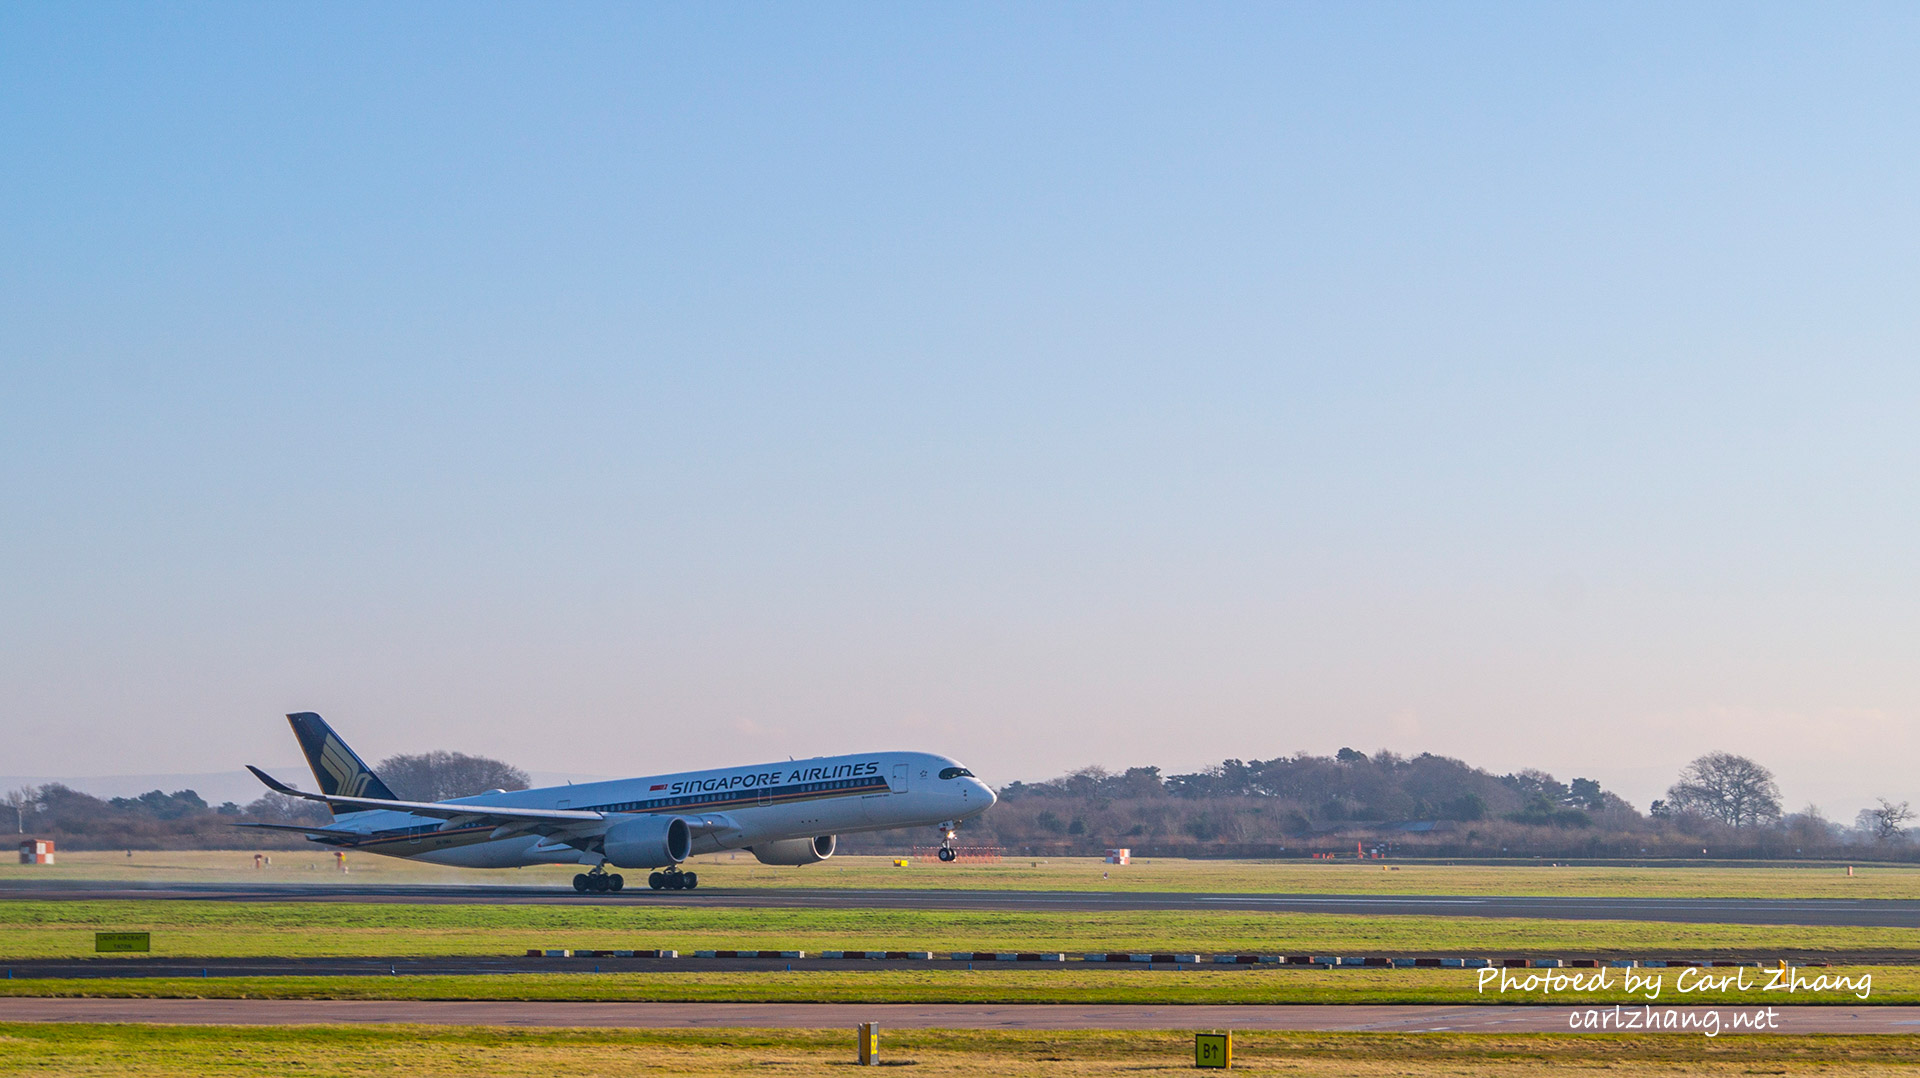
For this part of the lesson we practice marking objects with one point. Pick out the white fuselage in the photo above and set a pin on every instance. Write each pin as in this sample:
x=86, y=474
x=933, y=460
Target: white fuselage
x=740, y=807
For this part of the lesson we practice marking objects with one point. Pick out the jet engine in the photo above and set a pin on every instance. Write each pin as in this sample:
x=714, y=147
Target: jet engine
x=795, y=851
x=648, y=842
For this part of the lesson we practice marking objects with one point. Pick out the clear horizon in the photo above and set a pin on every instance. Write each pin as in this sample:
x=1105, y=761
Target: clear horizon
x=660, y=388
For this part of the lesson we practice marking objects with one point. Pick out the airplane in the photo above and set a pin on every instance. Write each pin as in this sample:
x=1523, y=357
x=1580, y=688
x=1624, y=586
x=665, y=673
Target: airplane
x=783, y=813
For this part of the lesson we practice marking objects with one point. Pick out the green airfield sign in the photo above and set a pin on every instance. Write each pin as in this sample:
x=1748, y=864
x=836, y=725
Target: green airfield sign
x=122, y=941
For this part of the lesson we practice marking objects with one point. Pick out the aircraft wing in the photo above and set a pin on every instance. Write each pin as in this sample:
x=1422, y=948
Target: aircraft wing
x=339, y=832
x=441, y=809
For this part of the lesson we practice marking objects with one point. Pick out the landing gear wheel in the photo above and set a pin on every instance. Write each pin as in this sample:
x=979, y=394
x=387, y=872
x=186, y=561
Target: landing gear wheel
x=616, y=881
x=947, y=854
x=673, y=880
x=581, y=882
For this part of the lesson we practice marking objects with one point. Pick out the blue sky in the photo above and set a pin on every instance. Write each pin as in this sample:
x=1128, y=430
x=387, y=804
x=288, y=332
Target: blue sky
x=617, y=389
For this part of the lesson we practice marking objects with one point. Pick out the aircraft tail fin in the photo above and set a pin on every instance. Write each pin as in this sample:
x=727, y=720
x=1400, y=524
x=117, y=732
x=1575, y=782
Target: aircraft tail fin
x=337, y=768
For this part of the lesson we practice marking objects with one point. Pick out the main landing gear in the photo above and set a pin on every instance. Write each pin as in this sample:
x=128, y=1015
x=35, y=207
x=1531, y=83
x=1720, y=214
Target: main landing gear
x=598, y=880
x=946, y=841
x=673, y=880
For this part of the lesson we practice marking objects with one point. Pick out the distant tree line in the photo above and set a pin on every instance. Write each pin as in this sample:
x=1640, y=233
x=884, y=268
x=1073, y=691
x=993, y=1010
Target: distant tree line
x=155, y=820
x=183, y=819
x=1721, y=805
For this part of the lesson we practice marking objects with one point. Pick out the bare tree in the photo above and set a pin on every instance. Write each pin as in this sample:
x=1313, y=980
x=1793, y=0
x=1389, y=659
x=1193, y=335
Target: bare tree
x=1728, y=788
x=1809, y=828
x=279, y=808
x=21, y=801
x=1889, y=821
x=437, y=776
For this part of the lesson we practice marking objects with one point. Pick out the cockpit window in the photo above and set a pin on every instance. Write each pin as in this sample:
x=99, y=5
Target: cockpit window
x=955, y=773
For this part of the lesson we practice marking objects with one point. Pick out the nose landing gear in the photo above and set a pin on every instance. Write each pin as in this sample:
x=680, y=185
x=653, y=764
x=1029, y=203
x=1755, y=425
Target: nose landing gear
x=598, y=880
x=673, y=880
x=946, y=841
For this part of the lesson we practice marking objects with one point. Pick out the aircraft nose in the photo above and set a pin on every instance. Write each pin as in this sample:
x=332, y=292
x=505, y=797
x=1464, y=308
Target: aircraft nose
x=987, y=792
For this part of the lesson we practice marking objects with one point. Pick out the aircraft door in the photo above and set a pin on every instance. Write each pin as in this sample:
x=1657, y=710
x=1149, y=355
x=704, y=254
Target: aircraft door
x=897, y=782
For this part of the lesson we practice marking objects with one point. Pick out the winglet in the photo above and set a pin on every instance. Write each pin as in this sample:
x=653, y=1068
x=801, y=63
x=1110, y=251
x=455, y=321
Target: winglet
x=275, y=784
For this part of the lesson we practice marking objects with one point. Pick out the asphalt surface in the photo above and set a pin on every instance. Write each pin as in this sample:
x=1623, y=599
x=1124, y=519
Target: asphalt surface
x=1866, y=913
x=1332, y=1018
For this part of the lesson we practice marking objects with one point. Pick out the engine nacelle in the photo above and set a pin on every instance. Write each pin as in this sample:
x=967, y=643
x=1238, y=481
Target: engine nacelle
x=648, y=842
x=795, y=851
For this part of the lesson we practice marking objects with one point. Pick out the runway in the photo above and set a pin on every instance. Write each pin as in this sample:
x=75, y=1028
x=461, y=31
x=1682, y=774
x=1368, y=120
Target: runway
x=1325, y=1018
x=1864, y=913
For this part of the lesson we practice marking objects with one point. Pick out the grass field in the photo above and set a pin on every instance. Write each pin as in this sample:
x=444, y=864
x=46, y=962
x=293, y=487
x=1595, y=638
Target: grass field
x=71, y=1051
x=30, y=929
x=1057, y=874
x=1069, y=985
